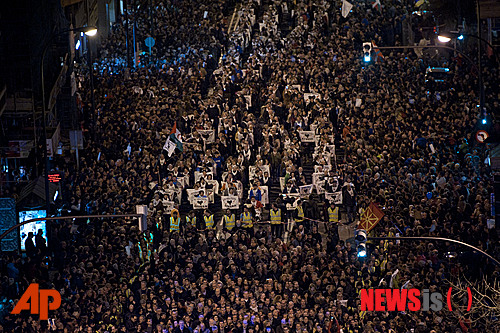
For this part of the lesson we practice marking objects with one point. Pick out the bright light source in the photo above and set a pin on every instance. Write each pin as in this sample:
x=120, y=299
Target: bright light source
x=361, y=251
x=460, y=37
x=444, y=39
x=77, y=46
x=367, y=58
x=484, y=121
x=91, y=32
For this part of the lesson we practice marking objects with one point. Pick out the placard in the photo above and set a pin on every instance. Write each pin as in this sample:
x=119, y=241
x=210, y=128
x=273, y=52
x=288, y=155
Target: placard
x=168, y=206
x=230, y=202
x=252, y=171
x=207, y=135
x=318, y=177
x=335, y=197
x=307, y=136
x=320, y=187
x=305, y=190
x=265, y=195
x=200, y=203
x=198, y=175
x=191, y=194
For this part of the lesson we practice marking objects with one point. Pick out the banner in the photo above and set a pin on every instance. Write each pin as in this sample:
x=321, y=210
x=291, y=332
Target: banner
x=307, y=136
x=200, y=203
x=335, y=197
x=230, y=202
x=370, y=217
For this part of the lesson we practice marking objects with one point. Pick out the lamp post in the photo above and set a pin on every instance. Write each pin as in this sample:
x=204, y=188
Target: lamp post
x=89, y=31
x=448, y=36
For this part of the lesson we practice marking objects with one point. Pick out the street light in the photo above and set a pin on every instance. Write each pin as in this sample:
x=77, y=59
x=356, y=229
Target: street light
x=446, y=37
x=89, y=31
x=443, y=39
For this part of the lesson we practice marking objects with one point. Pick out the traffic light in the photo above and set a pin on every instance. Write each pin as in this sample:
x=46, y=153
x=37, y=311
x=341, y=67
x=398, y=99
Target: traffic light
x=360, y=238
x=367, y=50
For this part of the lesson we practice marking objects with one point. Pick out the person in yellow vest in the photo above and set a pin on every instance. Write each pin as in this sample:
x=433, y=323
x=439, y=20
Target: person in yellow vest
x=175, y=221
x=299, y=213
x=334, y=221
x=191, y=220
x=276, y=221
x=229, y=221
x=209, y=220
x=247, y=221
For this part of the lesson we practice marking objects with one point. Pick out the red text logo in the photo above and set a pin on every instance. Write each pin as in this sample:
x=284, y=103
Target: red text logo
x=39, y=303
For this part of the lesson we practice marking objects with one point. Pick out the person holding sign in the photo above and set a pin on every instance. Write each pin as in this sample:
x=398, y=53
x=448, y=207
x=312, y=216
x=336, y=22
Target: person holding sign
x=209, y=220
x=276, y=221
x=228, y=221
x=247, y=221
x=175, y=221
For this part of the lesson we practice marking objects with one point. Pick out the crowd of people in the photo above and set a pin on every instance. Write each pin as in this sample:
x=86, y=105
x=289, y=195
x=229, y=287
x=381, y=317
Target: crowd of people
x=245, y=102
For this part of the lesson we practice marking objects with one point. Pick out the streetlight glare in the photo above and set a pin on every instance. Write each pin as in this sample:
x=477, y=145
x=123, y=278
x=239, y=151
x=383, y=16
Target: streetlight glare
x=91, y=32
x=443, y=39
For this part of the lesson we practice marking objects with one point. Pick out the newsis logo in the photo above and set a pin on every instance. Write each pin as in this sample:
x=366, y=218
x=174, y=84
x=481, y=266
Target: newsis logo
x=406, y=299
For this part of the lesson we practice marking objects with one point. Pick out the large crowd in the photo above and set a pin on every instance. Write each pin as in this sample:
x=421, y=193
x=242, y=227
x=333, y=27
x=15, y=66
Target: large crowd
x=244, y=101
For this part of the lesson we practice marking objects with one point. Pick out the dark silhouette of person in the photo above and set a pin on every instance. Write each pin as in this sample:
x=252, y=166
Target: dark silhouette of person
x=41, y=244
x=30, y=245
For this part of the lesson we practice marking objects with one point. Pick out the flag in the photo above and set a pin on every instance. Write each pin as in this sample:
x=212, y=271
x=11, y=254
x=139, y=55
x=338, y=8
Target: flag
x=346, y=8
x=376, y=4
x=173, y=141
x=378, y=55
x=370, y=217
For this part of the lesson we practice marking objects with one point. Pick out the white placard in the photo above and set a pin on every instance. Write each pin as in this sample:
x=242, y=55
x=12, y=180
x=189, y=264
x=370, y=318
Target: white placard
x=230, y=202
x=265, y=195
x=321, y=168
x=282, y=183
x=200, y=203
x=305, y=190
x=183, y=181
x=198, y=175
x=191, y=194
x=335, y=197
x=317, y=177
x=307, y=136
x=307, y=97
x=207, y=135
x=174, y=195
x=320, y=187
x=252, y=171
x=168, y=206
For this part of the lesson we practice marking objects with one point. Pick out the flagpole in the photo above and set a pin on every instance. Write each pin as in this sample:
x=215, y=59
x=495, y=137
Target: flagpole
x=442, y=239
